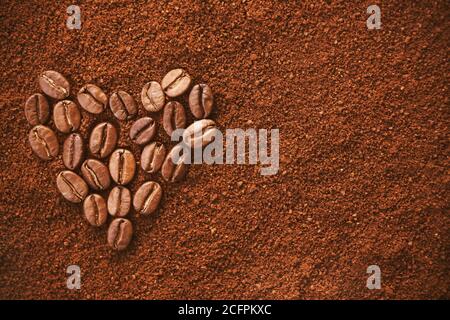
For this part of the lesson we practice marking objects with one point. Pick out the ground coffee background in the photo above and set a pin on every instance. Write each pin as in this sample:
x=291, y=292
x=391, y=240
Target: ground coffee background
x=364, y=174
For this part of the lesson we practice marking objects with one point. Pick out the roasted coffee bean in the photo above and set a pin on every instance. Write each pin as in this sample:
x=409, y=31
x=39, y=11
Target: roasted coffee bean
x=120, y=233
x=92, y=99
x=94, y=207
x=71, y=186
x=200, y=133
x=66, y=116
x=44, y=143
x=152, y=157
x=54, y=84
x=37, y=109
x=119, y=201
x=143, y=130
x=174, y=117
x=147, y=198
x=176, y=82
x=103, y=139
x=175, y=165
x=153, y=97
x=201, y=101
x=122, y=166
x=73, y=151
x=96, y=174
x=122, y=105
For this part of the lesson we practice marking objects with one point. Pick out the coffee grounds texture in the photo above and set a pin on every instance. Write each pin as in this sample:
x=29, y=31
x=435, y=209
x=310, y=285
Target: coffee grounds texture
x=364, y=167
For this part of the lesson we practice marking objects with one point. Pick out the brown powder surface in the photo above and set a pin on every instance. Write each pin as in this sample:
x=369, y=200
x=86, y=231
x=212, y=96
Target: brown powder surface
x=364, y=152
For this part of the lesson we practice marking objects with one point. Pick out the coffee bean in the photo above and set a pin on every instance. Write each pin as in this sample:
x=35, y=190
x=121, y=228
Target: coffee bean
x=44, y=143
x=120, y=233
x=66, y=116
x=96, y=174
x=200, y=133
x=122, y=166
x=37, y=109
x=71, y=186
x=175, y=168
x=152, y=157
x=176, y=82
x=54, y=84
x=103, y=139
x=143, y=130
x=122, y=105
x=174, y=117
x=153, y=97
x=94, y=208
x=73, y=151
x=201, y=101
x=147, y=198
x=119, y=201
x=92, y=99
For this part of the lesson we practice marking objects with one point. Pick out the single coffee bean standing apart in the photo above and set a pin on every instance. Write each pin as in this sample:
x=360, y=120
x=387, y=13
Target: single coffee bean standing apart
x=73, y=151
x=103, y=139
x=200, y=133
x=92, y=99
x=122, y=166
x=66, y=116
x=44, y=142
x=147, y=198
x=54, y=85
x=143, y=130
x=120, y=233
x=122, y=105
x=94, y=207
x=119, y=201
x=152, y=157
x=37, y=109
x=71, y=186
x=175, y=165
x=201, y=101
x=174, y=117
x=153, y=97
x=176, y=82
x=96, y=174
